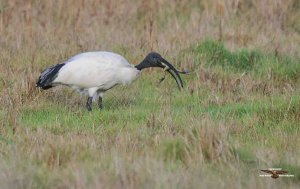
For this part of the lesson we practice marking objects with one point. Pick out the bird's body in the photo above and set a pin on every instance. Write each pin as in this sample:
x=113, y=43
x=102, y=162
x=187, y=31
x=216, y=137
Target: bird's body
x=93, y=73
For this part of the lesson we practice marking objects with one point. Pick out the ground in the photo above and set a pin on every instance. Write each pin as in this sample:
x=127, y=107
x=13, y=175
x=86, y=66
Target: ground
x=238, y=113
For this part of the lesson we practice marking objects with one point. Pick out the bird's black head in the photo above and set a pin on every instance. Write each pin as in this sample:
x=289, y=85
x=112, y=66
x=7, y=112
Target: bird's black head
x=154, y=59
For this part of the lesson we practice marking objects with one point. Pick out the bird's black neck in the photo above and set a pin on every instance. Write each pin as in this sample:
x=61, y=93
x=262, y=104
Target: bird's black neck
x=144, y=64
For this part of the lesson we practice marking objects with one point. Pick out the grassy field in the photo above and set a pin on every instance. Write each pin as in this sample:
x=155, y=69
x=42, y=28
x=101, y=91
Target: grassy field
x=239, y=111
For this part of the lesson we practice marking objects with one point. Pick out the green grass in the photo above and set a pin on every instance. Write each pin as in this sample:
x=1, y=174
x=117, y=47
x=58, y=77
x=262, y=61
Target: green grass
x=148, y=128
x=238, y=113
x=214, y=54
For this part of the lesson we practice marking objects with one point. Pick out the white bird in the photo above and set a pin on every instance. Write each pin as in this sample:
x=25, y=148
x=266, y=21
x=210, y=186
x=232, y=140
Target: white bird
x=93, y=73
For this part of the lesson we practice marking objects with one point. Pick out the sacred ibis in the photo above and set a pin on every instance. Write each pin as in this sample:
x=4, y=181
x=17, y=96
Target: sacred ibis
x=93, y=73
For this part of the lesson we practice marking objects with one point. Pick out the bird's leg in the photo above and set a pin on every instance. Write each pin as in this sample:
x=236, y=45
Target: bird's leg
x=100, y=102
x=89, y=103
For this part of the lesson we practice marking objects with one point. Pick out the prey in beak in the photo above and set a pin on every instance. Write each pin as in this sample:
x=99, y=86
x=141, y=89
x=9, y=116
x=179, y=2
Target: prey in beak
x=168, y=67
x=154, y=59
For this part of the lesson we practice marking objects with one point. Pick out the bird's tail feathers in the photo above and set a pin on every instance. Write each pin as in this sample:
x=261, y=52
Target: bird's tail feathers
x=48, y=75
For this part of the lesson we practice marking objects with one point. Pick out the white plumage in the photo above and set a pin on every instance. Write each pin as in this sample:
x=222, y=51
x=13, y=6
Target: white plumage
x=96, y=72
x=93, y=73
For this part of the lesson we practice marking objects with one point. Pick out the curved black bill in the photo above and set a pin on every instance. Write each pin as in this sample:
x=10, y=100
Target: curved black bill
x=174, y=73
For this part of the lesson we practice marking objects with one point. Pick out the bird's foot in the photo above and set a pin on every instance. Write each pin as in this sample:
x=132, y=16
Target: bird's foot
x=89, y=108
x=100, y=103
x=89, y=104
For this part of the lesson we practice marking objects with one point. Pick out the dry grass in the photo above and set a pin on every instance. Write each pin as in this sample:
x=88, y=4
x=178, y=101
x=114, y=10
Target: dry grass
x=229, y=122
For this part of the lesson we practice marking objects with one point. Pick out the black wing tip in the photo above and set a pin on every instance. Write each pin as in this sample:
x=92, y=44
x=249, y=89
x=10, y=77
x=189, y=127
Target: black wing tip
x=47, y=76
x=44, y=87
